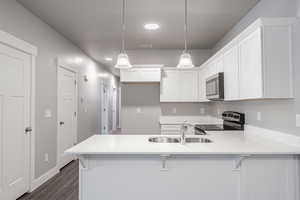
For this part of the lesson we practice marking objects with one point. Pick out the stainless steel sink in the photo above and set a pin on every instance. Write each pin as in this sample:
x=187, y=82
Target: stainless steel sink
x=162, y=139
x=197, y=140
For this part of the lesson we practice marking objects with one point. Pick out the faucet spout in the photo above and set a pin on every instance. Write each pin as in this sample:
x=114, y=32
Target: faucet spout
x=184, y=129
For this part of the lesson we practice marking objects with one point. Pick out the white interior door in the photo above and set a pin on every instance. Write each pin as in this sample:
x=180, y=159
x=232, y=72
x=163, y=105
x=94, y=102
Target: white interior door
x=66, y=114
x=104, y=107
x=15, y=72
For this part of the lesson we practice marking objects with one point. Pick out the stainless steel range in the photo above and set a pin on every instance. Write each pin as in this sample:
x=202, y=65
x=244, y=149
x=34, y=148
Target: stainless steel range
x=231, y=121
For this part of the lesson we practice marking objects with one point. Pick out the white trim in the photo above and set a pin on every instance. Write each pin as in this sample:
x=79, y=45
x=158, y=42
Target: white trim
x=18, y=44
x=61, y=64
x=32, y=120
x=149, y=66
x=44, y=178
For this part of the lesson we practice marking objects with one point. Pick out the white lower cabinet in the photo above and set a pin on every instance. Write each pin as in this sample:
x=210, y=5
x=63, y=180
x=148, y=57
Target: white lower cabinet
x=269, y=178
x=192, y=177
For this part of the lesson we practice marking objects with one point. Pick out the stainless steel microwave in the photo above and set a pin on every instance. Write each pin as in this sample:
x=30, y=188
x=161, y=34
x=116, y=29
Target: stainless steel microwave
x=215, y=87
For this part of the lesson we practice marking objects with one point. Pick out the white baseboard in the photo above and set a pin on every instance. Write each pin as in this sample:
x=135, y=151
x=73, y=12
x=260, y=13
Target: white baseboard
x=44, y=178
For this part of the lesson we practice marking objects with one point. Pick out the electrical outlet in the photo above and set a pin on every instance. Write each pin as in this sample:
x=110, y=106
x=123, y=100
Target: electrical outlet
x=138, y=110
x=174, y=110
x=46, y=157
x=298, y=120
x=258, y=116
x=202, y=111
x=85, y=110
x=218, y=112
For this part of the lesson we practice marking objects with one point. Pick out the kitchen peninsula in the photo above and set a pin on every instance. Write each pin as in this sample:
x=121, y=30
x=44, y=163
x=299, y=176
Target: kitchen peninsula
x=234, y=165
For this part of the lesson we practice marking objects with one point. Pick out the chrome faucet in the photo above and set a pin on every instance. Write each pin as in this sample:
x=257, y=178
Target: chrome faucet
x=184, y=128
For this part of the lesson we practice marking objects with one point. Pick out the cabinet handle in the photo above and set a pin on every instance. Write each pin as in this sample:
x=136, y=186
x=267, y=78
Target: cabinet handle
x=61, y=123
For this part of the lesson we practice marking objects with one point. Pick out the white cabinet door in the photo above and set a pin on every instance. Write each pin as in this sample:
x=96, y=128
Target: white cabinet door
x=268, y=178
x=169, y=90
x=219, y=64
x=140, y=75
x=250, y=54
x=202, y=75
x=179, y=86
x=231, y=74
x=188, y=84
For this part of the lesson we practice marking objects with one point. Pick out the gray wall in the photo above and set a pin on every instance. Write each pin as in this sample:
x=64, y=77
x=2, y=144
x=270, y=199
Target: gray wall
x=141, y=108
x=145, y=96
x=276, y=114
x=17, y=21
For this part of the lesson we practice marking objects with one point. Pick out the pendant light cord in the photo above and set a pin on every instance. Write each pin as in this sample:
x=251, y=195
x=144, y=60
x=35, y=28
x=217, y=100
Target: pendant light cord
x=123, y=27
x=185, y=26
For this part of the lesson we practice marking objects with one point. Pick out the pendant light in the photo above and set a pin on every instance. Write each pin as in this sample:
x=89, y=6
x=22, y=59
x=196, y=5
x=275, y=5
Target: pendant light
x=185, y=61
x=123, y=59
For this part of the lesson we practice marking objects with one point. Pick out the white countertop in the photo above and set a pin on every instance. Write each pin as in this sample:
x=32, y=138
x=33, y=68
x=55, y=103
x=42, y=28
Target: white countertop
x=223, y=143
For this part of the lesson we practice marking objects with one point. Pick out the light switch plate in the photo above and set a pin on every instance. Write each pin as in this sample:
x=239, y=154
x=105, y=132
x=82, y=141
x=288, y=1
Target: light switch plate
x=138, y=110
x=46, y=157
x=48, y=113
x=258, y=116
x=298, y=120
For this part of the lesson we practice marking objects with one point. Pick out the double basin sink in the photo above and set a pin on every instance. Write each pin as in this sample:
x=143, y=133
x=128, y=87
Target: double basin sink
x=165, y=139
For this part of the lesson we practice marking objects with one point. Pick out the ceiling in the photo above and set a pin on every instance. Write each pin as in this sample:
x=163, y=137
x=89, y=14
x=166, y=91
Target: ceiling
x=95, y=25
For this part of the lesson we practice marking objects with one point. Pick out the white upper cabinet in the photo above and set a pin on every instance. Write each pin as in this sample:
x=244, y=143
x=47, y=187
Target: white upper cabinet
x=140, y=75
x=265, y=67
x=250, y=73
x=179, y=86
x=231, y=73
x=257, y=63
x=202, y=75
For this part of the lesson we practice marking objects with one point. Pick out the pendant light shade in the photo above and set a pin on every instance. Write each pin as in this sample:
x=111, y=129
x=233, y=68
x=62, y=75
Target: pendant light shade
x=185, y=60
x=123, y=59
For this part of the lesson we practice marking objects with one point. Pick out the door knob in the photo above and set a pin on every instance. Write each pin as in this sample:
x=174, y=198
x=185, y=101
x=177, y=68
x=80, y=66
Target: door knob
x=28, y=129
x=61, y=123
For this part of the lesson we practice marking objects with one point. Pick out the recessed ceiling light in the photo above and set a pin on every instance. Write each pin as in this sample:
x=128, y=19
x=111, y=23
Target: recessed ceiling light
x=108, y=59
x=151, y=26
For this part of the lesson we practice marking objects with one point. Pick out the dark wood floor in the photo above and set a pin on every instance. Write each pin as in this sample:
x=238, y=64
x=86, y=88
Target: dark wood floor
x=64, y=186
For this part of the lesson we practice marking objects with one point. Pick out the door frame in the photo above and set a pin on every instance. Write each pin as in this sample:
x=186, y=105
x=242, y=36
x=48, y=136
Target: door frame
x=61, y=64
x=101, y=103
x=21, y=45
x=114, y=109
